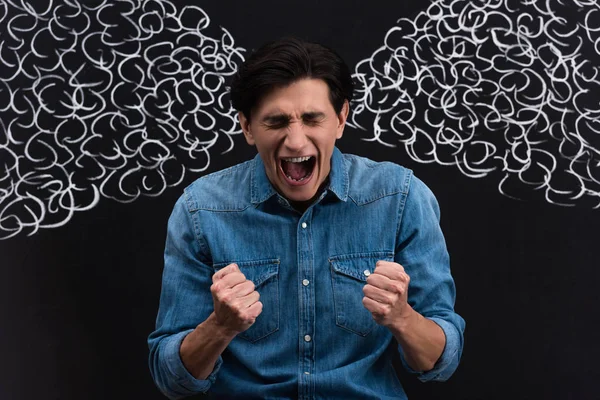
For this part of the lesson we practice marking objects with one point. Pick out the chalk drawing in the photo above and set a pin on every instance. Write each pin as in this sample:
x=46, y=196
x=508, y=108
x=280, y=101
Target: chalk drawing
x=502, y=89
x=114, y=99
x=122, y=99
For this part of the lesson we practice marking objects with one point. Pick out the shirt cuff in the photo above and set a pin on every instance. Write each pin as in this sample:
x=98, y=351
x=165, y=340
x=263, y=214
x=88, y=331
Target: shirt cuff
x=446, y=364
x=184, y=379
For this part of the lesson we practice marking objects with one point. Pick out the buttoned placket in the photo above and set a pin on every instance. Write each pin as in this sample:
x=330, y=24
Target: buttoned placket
x=307, y=305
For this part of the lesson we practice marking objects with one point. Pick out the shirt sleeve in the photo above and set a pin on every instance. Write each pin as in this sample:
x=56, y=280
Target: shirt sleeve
x=185, y=302
x=421, y=250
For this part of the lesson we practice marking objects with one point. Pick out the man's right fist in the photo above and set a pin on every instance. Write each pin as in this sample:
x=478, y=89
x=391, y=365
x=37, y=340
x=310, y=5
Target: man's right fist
x=235, y=300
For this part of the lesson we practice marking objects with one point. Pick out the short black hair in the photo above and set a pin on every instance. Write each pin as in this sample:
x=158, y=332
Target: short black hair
x=282, y=62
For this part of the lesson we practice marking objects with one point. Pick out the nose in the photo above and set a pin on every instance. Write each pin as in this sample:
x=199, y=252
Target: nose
x=295, y=139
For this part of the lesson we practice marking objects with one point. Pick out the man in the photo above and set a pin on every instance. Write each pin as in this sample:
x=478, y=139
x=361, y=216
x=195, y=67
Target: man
x=288, y=276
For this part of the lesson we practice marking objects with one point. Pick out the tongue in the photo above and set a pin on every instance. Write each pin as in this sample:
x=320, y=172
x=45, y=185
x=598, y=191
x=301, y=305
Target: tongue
x=296, y=171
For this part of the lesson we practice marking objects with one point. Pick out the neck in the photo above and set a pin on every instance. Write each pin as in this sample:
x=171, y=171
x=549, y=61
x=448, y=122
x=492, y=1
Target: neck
x=302, y=206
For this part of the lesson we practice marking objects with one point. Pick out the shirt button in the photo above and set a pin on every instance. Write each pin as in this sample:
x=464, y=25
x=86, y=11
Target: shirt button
x=304, y=225
x=367, y=272
x=306, y=373
x=305, y=282
x=307, y=338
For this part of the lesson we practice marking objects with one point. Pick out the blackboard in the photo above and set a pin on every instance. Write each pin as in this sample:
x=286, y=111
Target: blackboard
x=500, y=118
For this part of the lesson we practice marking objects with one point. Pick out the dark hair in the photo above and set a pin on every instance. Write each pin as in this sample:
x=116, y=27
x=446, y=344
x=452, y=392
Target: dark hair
x=283, y=62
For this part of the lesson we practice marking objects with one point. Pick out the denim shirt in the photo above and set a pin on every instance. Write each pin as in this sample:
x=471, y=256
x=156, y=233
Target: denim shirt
x=314, y=338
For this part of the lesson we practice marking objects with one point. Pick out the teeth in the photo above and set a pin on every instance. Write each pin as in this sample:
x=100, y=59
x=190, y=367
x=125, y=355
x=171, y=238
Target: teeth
x=297, y=180
x=296, y=159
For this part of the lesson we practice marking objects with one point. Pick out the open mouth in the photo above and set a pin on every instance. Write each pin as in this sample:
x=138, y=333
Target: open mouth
x=297, y=169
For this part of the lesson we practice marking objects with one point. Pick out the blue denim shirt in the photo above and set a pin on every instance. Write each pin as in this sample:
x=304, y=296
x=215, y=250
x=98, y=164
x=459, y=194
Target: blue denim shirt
x=314, y=338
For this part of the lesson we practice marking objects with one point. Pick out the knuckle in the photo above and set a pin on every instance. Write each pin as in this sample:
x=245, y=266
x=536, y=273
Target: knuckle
x=236, y=275
x=398, y=287
x=388, y=299
x=214, y=288
x=224, y=298
x=237, y=309
x=256, y=310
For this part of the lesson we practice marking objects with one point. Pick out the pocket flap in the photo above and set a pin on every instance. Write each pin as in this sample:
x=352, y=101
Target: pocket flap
x=257, y=271
x=358, y=265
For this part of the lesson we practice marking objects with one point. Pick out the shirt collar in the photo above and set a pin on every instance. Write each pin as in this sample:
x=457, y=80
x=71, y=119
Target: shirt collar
x=260, y=186
x=338, y=176
x=261, y=189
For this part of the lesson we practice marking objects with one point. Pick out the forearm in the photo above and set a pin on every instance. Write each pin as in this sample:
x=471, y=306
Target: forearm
x=421, y=339
x=202, y=347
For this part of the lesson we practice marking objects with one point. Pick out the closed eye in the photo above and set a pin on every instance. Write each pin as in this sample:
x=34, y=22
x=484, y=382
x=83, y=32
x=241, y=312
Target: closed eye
x=276, y=121
x=280, y=121
x=275, y=126
x=313, y=118
x=311, y=122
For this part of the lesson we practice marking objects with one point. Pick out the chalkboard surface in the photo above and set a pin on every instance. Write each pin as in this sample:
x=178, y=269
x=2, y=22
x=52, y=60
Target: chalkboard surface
x=109, y=109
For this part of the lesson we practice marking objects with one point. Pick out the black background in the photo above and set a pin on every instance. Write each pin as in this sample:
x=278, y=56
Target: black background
x=78, y=302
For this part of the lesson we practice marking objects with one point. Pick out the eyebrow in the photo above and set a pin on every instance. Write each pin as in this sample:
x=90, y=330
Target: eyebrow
x=313, y=115
x=284, y=118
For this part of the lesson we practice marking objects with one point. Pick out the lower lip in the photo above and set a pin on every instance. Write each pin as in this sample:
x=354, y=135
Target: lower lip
x=292, y=182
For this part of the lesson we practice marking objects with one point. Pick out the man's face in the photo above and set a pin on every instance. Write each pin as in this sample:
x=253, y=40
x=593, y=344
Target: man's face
x=294, y=129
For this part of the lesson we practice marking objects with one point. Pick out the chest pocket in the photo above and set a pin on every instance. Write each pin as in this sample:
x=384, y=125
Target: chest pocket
x=349, y=275
x=265, y=276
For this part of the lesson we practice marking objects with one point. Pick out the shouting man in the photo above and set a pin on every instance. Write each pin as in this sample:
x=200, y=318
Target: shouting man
x=290, y=275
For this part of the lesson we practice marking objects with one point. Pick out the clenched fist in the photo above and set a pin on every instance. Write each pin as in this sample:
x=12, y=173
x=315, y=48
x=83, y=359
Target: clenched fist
x=235, y=301
x=386, y=293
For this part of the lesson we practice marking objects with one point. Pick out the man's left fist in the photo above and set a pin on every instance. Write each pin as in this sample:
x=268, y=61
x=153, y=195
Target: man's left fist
x=386, y=293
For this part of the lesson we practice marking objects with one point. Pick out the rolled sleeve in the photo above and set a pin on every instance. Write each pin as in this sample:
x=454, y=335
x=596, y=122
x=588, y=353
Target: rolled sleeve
x=184, y=383
x=448, y=361
x=422, y=252
x=185, y=302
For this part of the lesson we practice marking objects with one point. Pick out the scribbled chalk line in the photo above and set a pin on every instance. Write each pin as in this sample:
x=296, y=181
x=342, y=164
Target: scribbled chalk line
x=467, y=89
x=99, y=113
x=93, y=109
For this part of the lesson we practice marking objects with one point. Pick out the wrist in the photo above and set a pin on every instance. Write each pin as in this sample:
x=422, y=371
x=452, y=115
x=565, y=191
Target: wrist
x=218, y=329
x=405, y=321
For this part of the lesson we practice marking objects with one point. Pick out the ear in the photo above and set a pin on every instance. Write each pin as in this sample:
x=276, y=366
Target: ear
x=245, y=124
x=342, y=117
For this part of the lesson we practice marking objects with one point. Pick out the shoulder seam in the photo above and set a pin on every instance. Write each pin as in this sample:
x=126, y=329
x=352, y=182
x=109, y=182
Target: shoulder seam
x=402, y=204
x=191, y=198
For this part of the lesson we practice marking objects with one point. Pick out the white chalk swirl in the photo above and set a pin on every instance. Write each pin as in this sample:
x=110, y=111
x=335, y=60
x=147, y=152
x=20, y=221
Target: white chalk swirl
x=120, y=99
x=496, y=88
x=115, y=99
